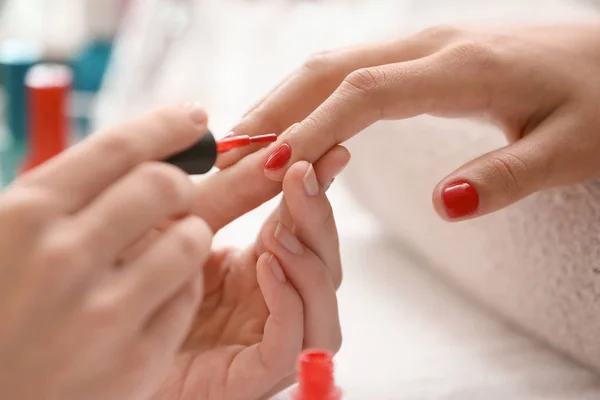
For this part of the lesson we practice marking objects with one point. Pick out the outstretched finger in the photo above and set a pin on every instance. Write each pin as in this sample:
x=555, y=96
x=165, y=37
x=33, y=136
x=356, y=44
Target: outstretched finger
x=304, y=90
x=457, y=81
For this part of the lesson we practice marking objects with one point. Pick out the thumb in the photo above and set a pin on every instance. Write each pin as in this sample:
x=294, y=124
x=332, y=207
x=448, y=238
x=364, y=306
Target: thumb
x=502, y=177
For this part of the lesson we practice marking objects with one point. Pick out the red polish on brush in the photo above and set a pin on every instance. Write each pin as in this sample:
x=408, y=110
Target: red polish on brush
x=48, y=87
x=231, y=142
x=201, y=157
x=315, y=378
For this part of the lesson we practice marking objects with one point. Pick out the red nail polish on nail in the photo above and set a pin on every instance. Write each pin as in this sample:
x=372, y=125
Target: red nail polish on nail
x=280, y=157
x=460, y=199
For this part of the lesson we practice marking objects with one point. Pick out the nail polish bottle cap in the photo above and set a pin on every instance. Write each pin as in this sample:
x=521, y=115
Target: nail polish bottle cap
x=315, y=378
x=199, y=158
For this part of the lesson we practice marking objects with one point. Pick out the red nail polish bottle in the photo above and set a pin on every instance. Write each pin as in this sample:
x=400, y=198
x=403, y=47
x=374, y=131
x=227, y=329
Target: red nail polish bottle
x=316, y=380
x=48, y=87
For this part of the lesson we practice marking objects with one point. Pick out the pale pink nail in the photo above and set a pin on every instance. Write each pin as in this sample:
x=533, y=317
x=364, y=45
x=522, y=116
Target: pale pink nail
x=276, y=268
x=311, y=185
x=288, y=240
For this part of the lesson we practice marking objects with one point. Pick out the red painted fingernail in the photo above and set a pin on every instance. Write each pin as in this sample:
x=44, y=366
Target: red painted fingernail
x=279, y=157
x=460, y=199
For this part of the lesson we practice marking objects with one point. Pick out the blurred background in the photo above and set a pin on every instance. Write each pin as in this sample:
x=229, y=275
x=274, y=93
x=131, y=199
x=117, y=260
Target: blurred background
x=429, y=311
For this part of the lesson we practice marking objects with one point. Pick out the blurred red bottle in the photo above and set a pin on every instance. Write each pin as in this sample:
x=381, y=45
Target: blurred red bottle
x=315, y=377
x=48, y=88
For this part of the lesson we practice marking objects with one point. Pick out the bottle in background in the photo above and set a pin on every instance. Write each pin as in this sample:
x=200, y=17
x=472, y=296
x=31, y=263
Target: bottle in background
x=48, y=90
x=16, y=59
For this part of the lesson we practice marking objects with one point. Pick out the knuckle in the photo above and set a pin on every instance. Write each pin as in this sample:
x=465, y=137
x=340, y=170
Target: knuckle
x=169, y=184
x=322, y=63
x=188, y=244
x=507, y=169
x=23, y=207
x=479, y=55
x=365, y=80
x=116, y=143
x=65, y=250
x=104, y=311
x=171, y=120
x=268, y=119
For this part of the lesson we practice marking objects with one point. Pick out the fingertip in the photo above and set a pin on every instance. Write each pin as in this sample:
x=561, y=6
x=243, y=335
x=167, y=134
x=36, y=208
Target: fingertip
x=295, y=173
x=342, y=154
x=438, y=203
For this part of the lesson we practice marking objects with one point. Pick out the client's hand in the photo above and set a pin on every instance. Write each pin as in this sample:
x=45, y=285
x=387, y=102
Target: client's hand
x=539, y=84
x=263, y=305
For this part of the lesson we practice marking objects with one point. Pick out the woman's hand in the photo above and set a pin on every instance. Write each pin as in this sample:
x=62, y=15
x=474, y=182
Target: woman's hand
x=263, y=305
x=77, y=320
x=539, y=84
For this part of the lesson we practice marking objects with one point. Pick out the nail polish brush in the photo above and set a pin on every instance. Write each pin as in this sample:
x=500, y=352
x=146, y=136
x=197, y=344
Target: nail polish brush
x=201, y=157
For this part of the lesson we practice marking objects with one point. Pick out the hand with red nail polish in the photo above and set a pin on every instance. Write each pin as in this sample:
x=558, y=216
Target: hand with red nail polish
x=264, y=304
x=514, y=76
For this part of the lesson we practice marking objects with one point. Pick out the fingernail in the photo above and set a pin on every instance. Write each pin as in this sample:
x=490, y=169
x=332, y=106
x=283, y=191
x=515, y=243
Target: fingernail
x=230, y=134
x=288, y=240
x=279, y=157
x=460, y=199
x=276, y=268
x=311, y=185
x=196, y=112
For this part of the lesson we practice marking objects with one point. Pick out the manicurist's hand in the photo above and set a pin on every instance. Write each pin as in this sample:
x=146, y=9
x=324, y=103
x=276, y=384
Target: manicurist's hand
x=539, y=84
x=77, y=319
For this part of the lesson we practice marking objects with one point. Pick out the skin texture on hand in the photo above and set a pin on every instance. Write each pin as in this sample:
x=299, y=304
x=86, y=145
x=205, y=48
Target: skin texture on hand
x=256, y=317
x=539, y=83
x=77, y=320
x=99, y=293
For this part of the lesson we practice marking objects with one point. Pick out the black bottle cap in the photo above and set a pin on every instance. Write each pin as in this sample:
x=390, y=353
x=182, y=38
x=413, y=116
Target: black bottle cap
x=197, y=159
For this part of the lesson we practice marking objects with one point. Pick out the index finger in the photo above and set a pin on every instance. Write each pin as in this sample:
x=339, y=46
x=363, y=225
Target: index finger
x=304, y=90
x=83, y=171
x=457, y=81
